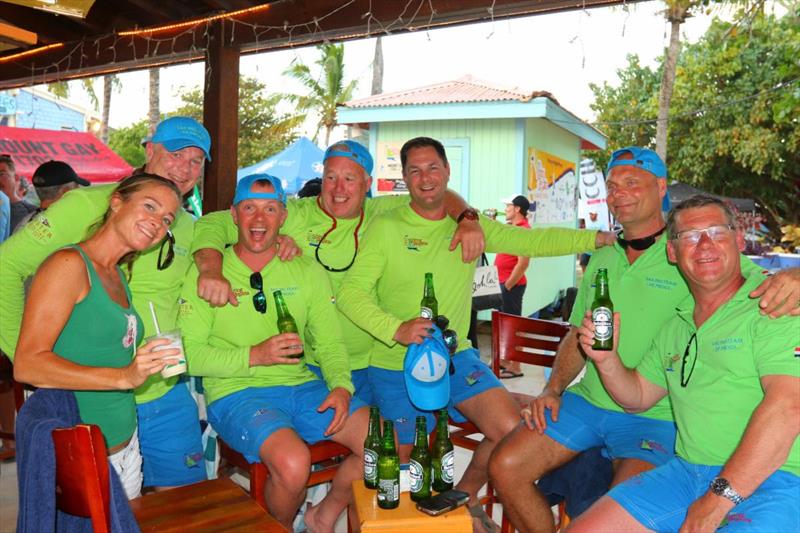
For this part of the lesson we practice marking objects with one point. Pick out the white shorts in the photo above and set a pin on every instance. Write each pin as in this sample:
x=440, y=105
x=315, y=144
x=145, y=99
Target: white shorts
x=127, y=462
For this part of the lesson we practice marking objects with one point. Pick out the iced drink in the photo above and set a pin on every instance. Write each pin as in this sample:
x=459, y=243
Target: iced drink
x=174, y=338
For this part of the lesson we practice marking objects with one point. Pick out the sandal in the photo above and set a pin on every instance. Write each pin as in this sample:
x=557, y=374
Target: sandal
x=509, y=374
x=489, y=525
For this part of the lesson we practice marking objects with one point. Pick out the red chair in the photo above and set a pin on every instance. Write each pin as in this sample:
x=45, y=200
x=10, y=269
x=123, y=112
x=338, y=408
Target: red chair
x=82, y=489
x=325, y=455
x=514, y=338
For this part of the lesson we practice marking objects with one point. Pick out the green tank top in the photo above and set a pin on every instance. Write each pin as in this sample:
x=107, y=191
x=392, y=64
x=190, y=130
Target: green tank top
x=100, y=332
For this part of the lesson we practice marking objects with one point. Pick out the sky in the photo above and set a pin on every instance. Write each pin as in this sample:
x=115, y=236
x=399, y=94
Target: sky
x=561, y=53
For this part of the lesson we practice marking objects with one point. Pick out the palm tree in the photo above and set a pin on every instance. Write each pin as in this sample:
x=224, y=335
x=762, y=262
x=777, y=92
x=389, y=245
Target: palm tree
x=326, y=90
x=154, y=111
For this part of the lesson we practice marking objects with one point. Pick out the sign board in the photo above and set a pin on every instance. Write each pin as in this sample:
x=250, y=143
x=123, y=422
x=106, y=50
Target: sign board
x=552, y=184
x=388, y=172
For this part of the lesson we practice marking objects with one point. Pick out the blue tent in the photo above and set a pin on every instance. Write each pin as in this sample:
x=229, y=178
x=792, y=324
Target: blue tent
x=298, y=163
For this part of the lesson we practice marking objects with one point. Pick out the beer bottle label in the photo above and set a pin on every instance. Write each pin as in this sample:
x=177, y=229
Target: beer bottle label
x=415, y=473
x=388, y=490
x=370, y=465
x=603, y=325
x=448, y=467
x=426, y=312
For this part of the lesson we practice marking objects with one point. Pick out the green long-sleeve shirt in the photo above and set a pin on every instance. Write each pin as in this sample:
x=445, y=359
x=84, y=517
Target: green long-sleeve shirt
x=218, y=340
x=71, y=220
x=384, y=287
x=307, y=223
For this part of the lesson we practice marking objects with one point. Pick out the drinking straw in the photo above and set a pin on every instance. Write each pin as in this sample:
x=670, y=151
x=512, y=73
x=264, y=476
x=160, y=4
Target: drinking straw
x=155, y=320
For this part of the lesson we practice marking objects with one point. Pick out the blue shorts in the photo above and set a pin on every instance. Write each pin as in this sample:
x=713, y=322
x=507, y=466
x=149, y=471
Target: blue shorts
x=360, y=379
x=170, y=439
x=471, y=378
x=245, y=419
x=660, y=498
x=582, y=425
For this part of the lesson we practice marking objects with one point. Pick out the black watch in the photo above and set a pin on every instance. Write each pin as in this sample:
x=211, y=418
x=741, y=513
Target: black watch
x=468, y=213
x=721, y=487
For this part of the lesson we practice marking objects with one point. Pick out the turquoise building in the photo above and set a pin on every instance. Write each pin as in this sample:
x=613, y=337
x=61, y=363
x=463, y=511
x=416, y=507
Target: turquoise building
x=500, y=142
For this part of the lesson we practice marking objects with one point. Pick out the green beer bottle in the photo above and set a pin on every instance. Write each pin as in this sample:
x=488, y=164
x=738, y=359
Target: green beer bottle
x=442, y=458
x=602, y=313
x=388, y=470
x=420, y=466
x=372, y=447
x=428, y=307
x=286, y=323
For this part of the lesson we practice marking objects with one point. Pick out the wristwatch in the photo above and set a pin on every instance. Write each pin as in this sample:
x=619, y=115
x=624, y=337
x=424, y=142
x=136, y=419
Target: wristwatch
x=721, y=487
x=468, y=213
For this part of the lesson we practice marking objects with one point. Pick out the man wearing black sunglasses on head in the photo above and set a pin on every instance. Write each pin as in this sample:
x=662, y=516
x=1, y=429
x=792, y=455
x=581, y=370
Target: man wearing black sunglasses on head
x=262, y=398
x=328, y=228
x=169, y=429
x=733, y=377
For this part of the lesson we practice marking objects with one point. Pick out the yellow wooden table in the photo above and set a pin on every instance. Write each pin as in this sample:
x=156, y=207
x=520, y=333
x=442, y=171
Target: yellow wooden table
x=405, y=517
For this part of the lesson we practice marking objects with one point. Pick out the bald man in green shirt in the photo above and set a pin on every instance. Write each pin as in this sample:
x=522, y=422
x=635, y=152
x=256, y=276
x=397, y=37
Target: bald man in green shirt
x=733, y=378
x=381, y=294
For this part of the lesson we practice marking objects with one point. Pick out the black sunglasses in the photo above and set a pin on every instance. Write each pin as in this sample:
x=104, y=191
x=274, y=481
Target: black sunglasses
x=259, y=299
x=169, y=241
x=685, y=379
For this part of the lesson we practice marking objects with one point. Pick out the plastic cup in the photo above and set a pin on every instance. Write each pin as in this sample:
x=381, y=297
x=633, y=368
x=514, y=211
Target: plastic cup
x=174, y=338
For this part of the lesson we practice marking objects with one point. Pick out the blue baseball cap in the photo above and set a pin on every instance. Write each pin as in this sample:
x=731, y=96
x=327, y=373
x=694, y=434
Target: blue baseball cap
x=176, y=133
x=355, y=151
x=645, y=159
x=425, y=369
x=244, y=192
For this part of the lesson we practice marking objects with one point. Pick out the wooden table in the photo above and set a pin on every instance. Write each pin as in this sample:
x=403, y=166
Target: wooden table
x=217, y=505
x=405, y=517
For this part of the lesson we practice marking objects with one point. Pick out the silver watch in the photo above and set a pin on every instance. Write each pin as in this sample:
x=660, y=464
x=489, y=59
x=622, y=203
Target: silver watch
x=721, y=487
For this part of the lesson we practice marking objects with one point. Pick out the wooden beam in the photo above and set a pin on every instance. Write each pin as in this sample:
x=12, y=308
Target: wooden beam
x=15, y=35
x=221, y=118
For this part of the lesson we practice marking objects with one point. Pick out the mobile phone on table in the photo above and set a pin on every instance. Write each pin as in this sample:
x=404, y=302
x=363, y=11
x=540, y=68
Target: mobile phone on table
x=443, y=502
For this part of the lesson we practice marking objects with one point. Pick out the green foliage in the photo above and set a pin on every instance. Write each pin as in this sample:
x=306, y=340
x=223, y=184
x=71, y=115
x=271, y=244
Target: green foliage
x=325, y=90
x=62, y=89
x=127, y=143
x=263, y=131
x=734, y=127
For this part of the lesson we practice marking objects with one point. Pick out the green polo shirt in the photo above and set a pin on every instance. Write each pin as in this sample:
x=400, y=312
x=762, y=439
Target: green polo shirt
x=218, y=340
x=384, y=287
x=307, y=223
x=72, y=219
x=645, y=294
x=735, y=347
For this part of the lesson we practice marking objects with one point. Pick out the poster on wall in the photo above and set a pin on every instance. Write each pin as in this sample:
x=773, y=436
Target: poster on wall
x=388, y=172
x=552, y=184
x=592, y=207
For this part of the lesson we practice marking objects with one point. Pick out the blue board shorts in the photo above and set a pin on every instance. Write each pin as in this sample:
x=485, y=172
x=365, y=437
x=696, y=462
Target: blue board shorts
x=472, y=377
x=360, y=379
x=582, y=425
x=245, y=419
x=660, y=498
x=170, y=439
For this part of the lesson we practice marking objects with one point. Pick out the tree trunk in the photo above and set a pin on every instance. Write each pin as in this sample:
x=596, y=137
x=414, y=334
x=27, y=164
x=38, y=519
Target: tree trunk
x=676, y=15
x=106, y=108
x=154, y=113
x=377, y=68
x=328, y=134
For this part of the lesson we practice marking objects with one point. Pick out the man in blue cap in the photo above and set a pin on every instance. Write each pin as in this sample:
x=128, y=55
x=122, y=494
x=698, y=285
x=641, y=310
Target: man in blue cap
x=169, y=430
x=562, y=422
x=262, y=399
x=328, y=228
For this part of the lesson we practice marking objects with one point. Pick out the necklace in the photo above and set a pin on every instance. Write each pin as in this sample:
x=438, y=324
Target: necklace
x=333, y=227
x=640, y=244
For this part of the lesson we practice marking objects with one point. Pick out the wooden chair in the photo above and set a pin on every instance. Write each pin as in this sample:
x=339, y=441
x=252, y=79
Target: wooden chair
x=82, y=489
x=515, y=338
x=325, y=455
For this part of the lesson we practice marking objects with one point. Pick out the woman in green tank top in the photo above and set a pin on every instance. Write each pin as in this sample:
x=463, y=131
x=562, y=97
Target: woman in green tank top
x=80, y=330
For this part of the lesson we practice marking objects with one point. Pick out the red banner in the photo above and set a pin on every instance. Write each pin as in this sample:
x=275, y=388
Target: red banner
x=91, y=159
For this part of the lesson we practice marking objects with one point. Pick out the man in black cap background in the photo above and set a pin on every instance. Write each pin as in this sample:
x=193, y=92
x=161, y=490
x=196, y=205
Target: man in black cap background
x=511, y=272
x=52, y=180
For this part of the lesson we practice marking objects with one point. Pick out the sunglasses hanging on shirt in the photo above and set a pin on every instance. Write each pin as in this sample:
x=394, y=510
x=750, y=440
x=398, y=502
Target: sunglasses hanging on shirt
x=169, y=242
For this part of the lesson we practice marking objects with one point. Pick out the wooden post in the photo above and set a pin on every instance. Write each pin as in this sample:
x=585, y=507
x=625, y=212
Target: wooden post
x=221, y=118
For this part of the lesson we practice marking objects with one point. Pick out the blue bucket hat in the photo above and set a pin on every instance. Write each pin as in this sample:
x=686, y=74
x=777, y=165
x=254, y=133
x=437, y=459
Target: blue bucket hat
x=176, y=133
x=425, y=369
x=645, y=159
x=244, y=192
x=356, y=152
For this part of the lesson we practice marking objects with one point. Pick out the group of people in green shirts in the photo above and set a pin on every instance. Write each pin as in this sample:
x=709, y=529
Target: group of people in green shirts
x=351, y=271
